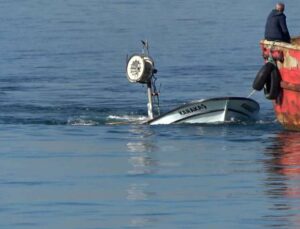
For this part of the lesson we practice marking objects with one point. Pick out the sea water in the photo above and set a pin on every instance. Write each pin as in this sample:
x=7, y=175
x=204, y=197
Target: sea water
x=73, y=151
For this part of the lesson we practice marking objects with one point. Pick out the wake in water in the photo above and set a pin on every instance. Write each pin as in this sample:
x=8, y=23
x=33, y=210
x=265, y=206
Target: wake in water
x=82, y=122
x=107, y=120
x=126, y=119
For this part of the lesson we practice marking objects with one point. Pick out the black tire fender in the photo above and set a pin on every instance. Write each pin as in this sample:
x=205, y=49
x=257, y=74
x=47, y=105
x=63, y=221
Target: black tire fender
x=272, y=85
x=262, y=76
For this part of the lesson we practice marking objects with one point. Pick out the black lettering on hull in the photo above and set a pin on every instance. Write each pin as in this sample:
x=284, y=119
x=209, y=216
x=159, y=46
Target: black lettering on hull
x=192, y=109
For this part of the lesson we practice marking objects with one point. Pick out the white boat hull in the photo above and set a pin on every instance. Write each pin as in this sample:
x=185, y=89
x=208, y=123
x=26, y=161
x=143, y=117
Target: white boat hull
x=215, y=110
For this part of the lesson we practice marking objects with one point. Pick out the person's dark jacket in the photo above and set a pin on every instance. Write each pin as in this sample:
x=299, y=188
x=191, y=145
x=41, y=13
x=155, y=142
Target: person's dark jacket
x=276, y=28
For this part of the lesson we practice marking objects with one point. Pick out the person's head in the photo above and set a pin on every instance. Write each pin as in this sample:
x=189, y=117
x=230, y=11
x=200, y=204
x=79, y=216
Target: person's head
x=280, y=6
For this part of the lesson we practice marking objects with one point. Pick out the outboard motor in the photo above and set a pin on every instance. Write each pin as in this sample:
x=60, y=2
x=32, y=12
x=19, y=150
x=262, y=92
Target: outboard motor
x=140, y=69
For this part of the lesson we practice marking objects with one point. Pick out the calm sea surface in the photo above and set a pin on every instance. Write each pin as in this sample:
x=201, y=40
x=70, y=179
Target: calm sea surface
x=72, y=154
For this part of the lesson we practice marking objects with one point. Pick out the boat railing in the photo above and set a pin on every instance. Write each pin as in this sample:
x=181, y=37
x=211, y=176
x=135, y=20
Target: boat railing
x=295, y=43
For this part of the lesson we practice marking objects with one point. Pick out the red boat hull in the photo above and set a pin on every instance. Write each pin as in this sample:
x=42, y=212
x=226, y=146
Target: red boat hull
x=287, y=58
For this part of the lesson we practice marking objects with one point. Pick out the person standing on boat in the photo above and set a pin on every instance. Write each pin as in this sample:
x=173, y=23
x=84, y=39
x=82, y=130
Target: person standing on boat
x=276, y=28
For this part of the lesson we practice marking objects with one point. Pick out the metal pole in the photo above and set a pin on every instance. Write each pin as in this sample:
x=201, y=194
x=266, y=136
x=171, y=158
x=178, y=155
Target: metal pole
x=150, y=103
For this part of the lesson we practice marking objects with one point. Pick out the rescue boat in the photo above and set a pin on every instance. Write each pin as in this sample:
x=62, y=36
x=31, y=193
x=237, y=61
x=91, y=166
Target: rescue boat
x=280, y=79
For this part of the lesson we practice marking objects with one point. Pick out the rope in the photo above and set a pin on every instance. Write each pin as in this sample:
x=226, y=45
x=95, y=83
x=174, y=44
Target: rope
x=251, y=93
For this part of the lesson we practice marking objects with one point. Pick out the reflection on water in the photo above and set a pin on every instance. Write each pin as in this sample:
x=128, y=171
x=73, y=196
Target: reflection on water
x=285, y=156
x=140, y=146
x=142, y=151
x=283, y=186
x=140, y=221
x=143, y=163
x=139, y=191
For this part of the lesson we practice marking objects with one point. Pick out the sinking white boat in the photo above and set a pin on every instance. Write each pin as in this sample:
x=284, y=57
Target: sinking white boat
x=215, y=110
x=140, y=69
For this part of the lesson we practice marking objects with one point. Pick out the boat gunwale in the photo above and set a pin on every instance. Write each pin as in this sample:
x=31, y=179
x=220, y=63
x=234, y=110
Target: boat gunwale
x=281, y=44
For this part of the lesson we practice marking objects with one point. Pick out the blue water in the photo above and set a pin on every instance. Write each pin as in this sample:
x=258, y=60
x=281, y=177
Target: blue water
x=72, y=154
